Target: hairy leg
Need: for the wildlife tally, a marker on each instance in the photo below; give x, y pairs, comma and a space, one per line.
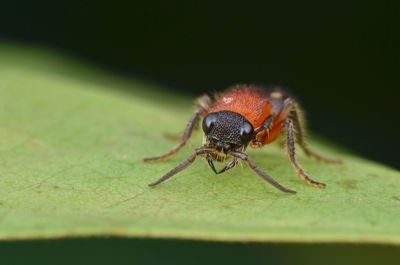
261, 174
185, 164
202, 104
291, 150
264, 129
298, 123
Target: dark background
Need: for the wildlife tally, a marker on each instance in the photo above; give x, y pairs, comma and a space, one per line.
340, 59
115, 251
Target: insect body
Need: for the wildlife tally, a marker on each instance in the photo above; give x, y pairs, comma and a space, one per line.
242, 116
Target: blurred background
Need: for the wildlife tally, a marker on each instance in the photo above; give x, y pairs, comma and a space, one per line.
178, 252
340, 59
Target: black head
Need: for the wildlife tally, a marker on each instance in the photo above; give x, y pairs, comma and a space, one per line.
227, 130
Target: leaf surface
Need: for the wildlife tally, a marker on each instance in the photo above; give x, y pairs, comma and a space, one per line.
72, 140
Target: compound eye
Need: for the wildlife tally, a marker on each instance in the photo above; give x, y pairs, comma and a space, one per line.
208, 122
246, 132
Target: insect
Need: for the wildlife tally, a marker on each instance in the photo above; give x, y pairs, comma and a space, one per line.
244, 115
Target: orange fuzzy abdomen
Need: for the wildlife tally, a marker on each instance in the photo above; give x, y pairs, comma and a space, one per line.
250, 103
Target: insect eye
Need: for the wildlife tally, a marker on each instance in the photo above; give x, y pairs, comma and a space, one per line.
246, 132
209, 122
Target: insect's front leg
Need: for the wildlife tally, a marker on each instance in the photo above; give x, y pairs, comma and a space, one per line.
260, 173
185, 164
203, 104
264, 130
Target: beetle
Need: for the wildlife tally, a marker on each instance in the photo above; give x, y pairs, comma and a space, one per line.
242, 116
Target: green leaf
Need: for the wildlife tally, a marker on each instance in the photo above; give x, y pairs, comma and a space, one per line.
72, 140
